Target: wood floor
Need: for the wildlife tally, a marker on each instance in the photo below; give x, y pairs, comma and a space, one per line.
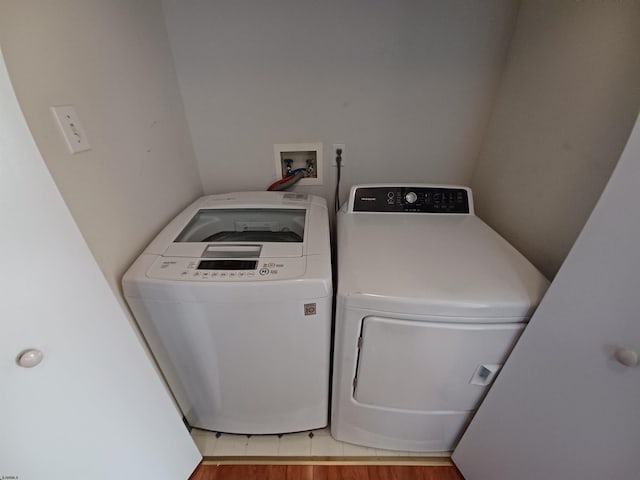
325, 472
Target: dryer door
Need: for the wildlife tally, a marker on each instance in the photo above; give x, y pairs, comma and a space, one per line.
429, 366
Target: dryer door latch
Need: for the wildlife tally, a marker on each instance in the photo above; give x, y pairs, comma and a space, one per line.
485, 374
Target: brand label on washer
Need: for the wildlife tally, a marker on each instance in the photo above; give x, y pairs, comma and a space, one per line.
309, 308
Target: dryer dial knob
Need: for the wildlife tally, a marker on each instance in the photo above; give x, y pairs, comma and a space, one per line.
411, 197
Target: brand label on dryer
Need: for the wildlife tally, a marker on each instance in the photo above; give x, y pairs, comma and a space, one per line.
309, 308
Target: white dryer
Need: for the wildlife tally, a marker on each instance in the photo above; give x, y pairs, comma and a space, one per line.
430, 302
234, 297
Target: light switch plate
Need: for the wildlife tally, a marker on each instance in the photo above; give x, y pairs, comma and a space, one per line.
71, 128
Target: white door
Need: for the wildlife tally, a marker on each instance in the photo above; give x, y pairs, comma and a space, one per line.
564, 407
93, 407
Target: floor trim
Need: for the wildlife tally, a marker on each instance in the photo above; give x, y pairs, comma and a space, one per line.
281, 460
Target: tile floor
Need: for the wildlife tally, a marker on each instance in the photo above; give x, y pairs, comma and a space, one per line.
320, 444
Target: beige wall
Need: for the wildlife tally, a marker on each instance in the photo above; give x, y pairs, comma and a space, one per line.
567, 102
110, 59
407, 85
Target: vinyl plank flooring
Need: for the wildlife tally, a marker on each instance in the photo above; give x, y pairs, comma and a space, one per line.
442, 473
325, 472
399, 472
253, 472
385, 472
340, 472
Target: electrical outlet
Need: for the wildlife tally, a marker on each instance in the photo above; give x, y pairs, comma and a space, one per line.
71, 128
334, 153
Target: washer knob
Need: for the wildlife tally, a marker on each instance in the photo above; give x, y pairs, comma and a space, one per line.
411, 197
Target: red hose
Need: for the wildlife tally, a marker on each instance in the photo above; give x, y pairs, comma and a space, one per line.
287, 181
278, 182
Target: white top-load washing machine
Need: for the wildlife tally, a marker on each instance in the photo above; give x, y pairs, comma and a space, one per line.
430, 302
234, 297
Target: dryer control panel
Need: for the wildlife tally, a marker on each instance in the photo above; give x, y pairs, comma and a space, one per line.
412, 199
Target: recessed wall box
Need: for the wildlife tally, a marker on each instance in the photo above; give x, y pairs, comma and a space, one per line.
293, 156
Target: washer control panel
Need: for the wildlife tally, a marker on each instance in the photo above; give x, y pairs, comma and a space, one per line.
411, 199
228, 270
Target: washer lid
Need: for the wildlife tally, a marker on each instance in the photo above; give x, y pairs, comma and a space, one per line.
245, 225
443, 265
284, 224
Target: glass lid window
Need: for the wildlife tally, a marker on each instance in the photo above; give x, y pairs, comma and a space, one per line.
245, 225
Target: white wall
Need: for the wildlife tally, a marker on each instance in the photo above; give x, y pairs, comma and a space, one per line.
567, 102
111, 59
407, 85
